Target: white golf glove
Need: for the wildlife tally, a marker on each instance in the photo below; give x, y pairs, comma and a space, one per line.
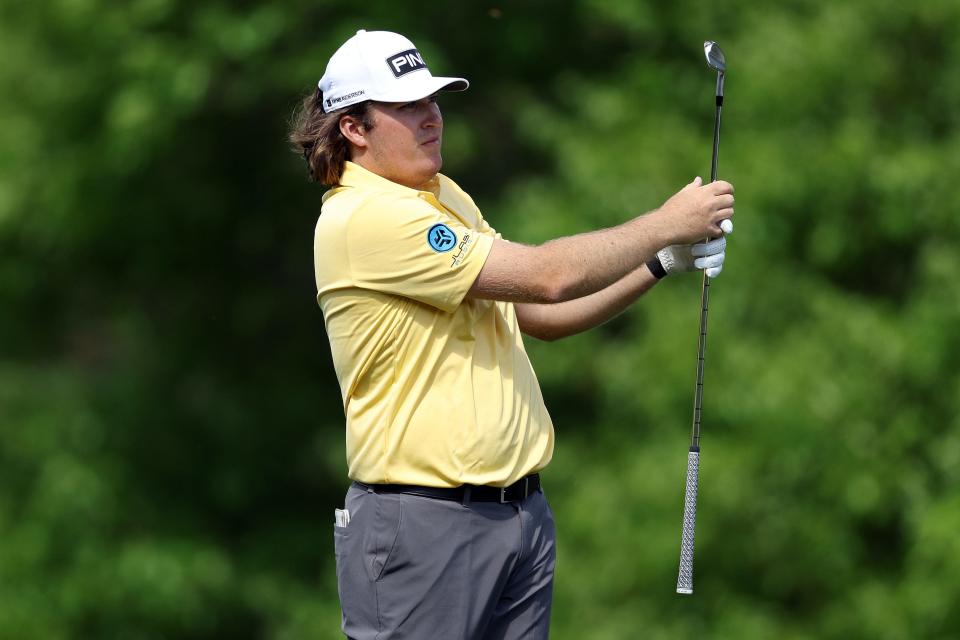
708, 256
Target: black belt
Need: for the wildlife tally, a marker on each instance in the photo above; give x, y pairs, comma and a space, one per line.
464, 493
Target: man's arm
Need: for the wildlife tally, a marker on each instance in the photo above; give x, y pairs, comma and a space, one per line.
554, 321
578, 266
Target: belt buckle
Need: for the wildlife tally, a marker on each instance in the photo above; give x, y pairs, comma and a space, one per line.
503, 495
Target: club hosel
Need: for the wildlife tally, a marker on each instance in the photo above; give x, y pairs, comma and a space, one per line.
719, 88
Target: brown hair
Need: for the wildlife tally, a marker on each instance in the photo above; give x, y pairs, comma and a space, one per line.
316, 136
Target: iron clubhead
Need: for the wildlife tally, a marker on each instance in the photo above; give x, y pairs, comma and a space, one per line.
715, 57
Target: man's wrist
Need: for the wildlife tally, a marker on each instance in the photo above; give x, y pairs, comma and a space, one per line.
658, 227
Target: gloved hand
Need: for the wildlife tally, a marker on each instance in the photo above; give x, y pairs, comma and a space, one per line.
709, 256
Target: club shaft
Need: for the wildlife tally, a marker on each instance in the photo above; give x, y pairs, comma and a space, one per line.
701, 354
704, 302
716, 140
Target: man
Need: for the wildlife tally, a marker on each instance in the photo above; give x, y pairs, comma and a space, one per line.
446, 532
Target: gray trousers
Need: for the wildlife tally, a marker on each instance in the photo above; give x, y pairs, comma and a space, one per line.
425, 569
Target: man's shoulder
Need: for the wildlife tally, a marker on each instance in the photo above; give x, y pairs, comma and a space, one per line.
347, 201
360, 210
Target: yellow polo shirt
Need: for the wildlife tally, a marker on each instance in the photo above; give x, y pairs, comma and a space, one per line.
437, 389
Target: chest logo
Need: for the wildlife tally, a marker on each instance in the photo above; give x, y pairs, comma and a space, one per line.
441, 239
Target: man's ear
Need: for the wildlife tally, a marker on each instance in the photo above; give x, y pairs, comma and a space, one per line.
353, 130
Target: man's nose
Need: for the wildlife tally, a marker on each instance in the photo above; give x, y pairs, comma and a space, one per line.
434, 118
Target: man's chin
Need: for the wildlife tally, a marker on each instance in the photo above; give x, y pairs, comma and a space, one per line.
425, 172
432, 166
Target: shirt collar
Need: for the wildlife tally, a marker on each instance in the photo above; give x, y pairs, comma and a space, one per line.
356, 176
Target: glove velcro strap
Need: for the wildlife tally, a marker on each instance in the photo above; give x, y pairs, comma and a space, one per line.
656, 267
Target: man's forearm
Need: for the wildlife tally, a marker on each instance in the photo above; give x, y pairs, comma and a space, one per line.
555, 321
590, 262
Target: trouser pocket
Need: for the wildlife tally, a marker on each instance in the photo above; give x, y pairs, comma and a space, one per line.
354, 585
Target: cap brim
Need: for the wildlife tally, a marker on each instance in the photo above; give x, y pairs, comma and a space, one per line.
453, 84
421, 89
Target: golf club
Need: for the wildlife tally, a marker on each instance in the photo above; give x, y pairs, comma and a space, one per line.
716, 60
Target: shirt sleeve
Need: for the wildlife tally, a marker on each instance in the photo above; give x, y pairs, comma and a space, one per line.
405, 246
485, 227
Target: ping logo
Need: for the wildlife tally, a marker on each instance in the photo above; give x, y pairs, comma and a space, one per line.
441, 239
405, 62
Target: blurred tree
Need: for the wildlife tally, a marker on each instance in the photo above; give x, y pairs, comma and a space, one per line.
170, 426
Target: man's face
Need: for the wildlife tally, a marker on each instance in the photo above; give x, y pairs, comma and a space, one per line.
404, 143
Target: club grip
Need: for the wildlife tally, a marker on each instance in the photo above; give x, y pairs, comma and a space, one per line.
685, 579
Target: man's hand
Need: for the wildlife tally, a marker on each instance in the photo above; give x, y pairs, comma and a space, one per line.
697, 211
708, 256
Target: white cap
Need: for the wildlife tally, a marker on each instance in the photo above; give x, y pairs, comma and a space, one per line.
382, 66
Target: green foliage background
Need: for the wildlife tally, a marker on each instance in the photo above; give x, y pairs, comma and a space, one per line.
171, 436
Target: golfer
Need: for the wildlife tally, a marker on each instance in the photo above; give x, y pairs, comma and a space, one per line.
446, 532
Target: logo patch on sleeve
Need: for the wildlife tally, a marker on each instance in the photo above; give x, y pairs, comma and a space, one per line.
440, 238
